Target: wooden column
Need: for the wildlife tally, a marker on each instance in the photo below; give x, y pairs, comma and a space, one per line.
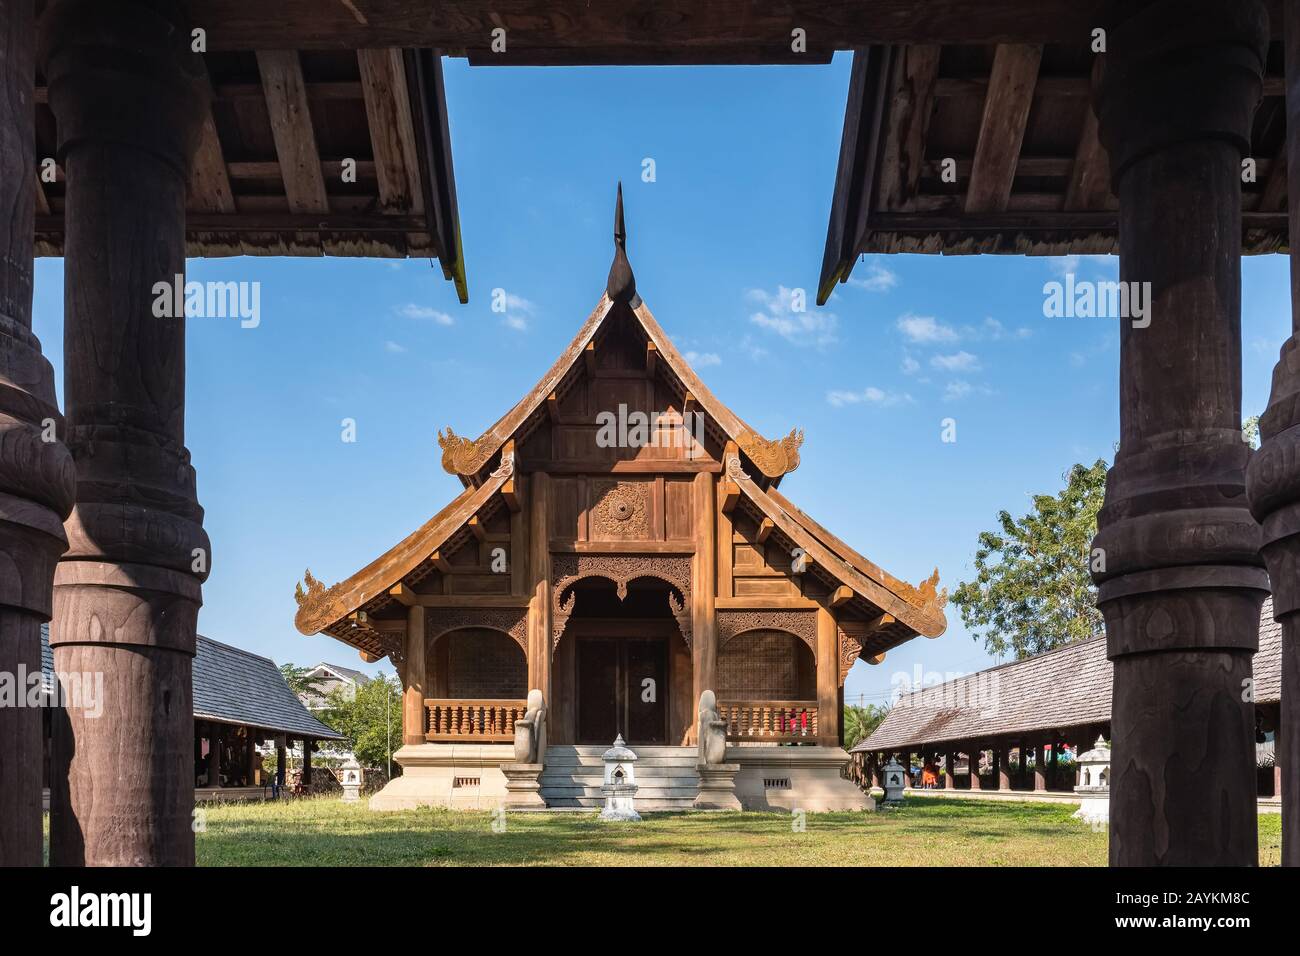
214, 755
828, 679
1183, 581
279, 761
36, 473
306, 762
974, 757
1002, 766
1273, 481
127, 93
1040, 769
250, 754
539, 604
1020, 750
704, 626
949, 761
413, 693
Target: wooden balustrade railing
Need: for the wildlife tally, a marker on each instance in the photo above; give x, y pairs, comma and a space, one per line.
488, 721
771, 721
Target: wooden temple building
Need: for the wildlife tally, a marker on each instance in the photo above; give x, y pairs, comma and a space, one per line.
1012, 723
621, 573
214, 127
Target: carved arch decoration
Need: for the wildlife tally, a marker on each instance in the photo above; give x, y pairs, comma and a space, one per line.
568, 569
802, 624
508, 620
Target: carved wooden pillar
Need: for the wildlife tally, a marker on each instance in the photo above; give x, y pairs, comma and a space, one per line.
704, 621
36, 473
1183, 580
828, 679
127, 95
1273, 483
540, 640
413, 693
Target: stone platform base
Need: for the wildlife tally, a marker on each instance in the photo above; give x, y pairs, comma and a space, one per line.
795, 778
459, 776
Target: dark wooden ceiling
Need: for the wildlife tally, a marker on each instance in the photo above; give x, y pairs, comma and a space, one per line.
1016, 120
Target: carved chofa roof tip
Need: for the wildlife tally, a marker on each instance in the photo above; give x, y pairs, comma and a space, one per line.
460, 456
312, 603
776, 457
621, 285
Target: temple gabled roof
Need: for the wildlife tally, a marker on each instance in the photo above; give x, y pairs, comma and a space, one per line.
893, 610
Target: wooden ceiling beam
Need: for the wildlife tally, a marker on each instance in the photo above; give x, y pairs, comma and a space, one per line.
1090, 176
270, 169
912, 101
403, 594
578, 31
392, 130
1002, 127
841, 596
291, 126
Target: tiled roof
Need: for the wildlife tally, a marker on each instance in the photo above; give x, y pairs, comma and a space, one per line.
1067, 687
357, 677
237, 687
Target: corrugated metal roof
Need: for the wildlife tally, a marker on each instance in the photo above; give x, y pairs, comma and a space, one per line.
238, 687
1067, 687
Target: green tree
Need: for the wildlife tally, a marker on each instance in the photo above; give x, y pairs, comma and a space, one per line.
1032, 590
371, 722
859, 722
1250, 431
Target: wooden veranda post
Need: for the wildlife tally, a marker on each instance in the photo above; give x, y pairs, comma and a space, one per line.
1273, 480
36, 473
129, 99
539, 568
413, 693
1183, 581
704, 629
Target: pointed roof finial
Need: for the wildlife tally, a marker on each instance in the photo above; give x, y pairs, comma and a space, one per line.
621, 286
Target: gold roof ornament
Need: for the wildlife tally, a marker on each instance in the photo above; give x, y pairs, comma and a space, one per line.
776, 457
926, 595
313, 601
460, 456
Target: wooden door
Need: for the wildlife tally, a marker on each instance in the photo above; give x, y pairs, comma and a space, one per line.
622, 689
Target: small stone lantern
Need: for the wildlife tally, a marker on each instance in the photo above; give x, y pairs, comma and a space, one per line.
893, 781
620, 783
352, 777
1094, 784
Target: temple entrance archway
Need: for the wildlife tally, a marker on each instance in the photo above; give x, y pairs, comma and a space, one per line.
621, 666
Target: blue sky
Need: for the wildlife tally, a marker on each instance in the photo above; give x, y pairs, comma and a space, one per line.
745, 162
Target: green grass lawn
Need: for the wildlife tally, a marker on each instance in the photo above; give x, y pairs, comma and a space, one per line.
923, 832
326, 832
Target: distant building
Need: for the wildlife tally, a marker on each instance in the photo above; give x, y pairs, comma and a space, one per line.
329, 678
241, 702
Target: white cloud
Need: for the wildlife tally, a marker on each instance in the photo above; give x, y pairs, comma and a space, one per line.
957, 390
956, 362
868, 396
703, 359
391, 346
878, 279
787, 313
413, 311
516, 322
910, 365
995, 330
925, 329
